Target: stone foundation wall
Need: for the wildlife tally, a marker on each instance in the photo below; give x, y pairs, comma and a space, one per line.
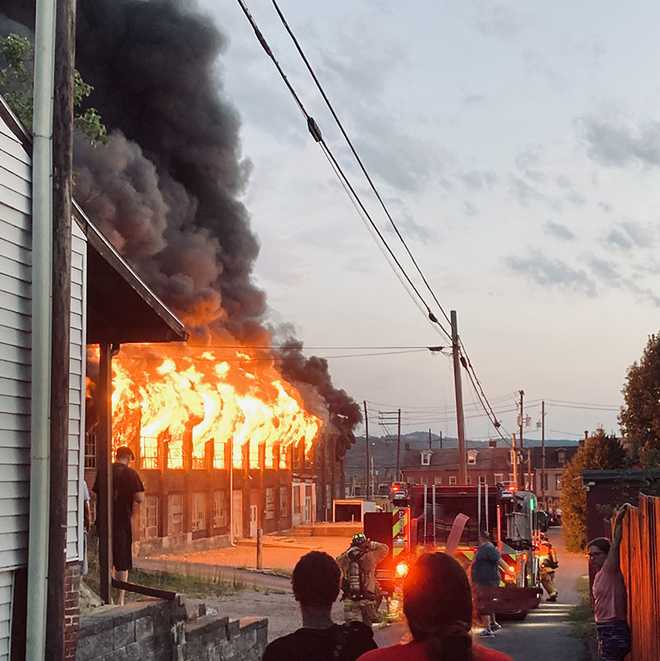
184, 542
175, 630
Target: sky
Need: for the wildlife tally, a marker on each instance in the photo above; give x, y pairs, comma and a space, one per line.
517, 146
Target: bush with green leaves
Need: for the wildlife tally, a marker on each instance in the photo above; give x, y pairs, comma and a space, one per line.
16, 66
599, 451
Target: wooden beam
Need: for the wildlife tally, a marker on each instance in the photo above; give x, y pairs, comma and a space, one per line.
61, 321
104, 473
143, 589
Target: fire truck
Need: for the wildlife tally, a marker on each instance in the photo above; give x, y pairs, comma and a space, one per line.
440, 518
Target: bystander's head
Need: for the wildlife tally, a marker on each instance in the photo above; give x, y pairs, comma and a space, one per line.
598, 550
124, 455
316, 580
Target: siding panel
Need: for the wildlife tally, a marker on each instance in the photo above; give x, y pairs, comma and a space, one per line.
15, 358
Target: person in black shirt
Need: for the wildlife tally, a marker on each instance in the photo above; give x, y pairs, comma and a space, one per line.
316, 587
127, 490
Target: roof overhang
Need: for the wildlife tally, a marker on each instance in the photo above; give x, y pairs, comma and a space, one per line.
639, 476
121, 308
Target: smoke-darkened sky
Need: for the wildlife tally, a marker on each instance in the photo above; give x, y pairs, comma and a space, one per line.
519, 147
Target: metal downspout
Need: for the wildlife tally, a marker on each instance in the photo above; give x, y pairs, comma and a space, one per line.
42, 216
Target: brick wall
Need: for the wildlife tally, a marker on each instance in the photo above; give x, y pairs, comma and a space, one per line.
184, 630
71, 609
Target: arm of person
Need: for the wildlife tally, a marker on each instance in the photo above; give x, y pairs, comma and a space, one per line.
379, 550
138, 489
613, 557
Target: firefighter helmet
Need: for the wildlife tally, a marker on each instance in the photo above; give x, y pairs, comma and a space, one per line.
359, 539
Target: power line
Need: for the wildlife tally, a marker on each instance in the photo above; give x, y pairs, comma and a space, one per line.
315, 132
266, 347
476, 384
357, 156
274, 358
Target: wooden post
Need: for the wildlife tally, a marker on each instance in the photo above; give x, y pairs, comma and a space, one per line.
260, 550
458, 390
104, 473
322, 449
61, 322
543, 478
398, 446
261, 514
367, 468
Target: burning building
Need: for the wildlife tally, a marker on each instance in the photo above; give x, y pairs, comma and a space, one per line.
223, 442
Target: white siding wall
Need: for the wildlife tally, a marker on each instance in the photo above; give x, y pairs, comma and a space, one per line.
15, 248
15, 329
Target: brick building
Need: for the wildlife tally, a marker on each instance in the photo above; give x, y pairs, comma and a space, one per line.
556, 460
485, 465
194, 505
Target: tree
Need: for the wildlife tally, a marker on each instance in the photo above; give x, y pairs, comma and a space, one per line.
599, 451
640, 415
16, 60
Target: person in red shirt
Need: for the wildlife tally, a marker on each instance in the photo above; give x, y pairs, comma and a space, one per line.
437, 602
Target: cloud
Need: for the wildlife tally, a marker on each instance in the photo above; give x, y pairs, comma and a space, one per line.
404, 161
527, 195
548, 272
615, 144
628, 235
604, 206
605, 271
609, 275
470, 209
527, 162
497, 20
558, 231
478, 179
408, 226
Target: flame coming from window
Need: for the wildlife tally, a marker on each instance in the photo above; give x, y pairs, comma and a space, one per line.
167, 395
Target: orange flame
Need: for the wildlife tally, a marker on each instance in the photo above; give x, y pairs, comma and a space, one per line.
218, 395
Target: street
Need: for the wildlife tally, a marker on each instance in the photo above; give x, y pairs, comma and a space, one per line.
545, 634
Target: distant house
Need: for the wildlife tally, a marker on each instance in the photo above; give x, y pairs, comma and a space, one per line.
109, 303
556, 460
485, 465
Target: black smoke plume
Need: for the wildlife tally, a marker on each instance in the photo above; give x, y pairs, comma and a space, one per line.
166, 187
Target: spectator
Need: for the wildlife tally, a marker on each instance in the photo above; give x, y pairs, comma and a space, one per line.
127, 490
316, 587
437, 603
485, 578
609, 593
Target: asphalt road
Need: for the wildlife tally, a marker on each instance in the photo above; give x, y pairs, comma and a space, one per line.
545, 635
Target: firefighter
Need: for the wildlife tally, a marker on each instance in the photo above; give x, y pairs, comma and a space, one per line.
360, 592
549, 566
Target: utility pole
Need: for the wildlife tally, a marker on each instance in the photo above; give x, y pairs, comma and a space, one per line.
543, 452
430, 440
367, 467
398, 446
514, 460
441, 439
460, 420
521, 425
65, 26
